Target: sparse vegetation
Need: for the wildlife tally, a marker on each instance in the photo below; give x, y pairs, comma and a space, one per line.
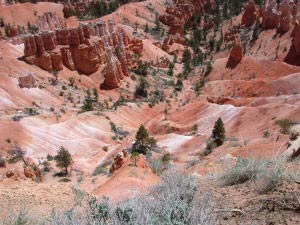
63, 159
173, 201
141, 89
218, 133
143, 142
285, 125
267, 174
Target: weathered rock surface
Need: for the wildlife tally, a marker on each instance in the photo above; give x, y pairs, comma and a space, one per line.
84, 49
177, 16
250, 15
27, 81
50, 21
293, 56
9, 174
118, 161
270, 17
236, 54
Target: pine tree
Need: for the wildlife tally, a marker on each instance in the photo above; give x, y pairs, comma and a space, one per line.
134, 157
218, 133
95, 93
186, 58
146, 28
256, 32
171, 69
143, 142
63, 158
157, 23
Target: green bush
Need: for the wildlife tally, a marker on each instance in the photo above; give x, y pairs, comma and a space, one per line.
285, 125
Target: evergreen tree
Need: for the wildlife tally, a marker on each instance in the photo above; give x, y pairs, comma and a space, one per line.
141, 89
95, 93
218, 133
143, 142
146, 28
186, 58
88, 102
256, 32
157, 23
134, 157
63, 158
171, 69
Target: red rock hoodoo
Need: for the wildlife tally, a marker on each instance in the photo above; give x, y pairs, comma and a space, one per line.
177, 16
84, 49
118, 161
293, 57
250, 15
236, 54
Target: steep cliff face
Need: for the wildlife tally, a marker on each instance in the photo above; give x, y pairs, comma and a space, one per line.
84, 49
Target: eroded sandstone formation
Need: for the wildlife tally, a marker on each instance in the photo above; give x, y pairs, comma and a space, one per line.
177, 16
273, 15
293, 56
50, 21
236, 54
250, 14
84, 49
27, 81
119, 160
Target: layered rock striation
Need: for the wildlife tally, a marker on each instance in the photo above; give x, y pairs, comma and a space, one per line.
84, 49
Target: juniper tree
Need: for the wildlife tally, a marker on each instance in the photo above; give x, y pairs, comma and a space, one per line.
218, 133
63, 158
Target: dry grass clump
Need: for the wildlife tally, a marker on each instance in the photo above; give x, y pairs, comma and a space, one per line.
266, 174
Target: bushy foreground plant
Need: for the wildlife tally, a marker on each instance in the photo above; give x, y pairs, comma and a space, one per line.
267, 174
175, 200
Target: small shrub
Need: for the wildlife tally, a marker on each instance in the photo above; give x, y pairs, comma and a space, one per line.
294, 135
2, 162
64, 180
267, 174
105, 148
244, 170
46, 166
101, 169
16, 154
166, 158
266, 134
285, 125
